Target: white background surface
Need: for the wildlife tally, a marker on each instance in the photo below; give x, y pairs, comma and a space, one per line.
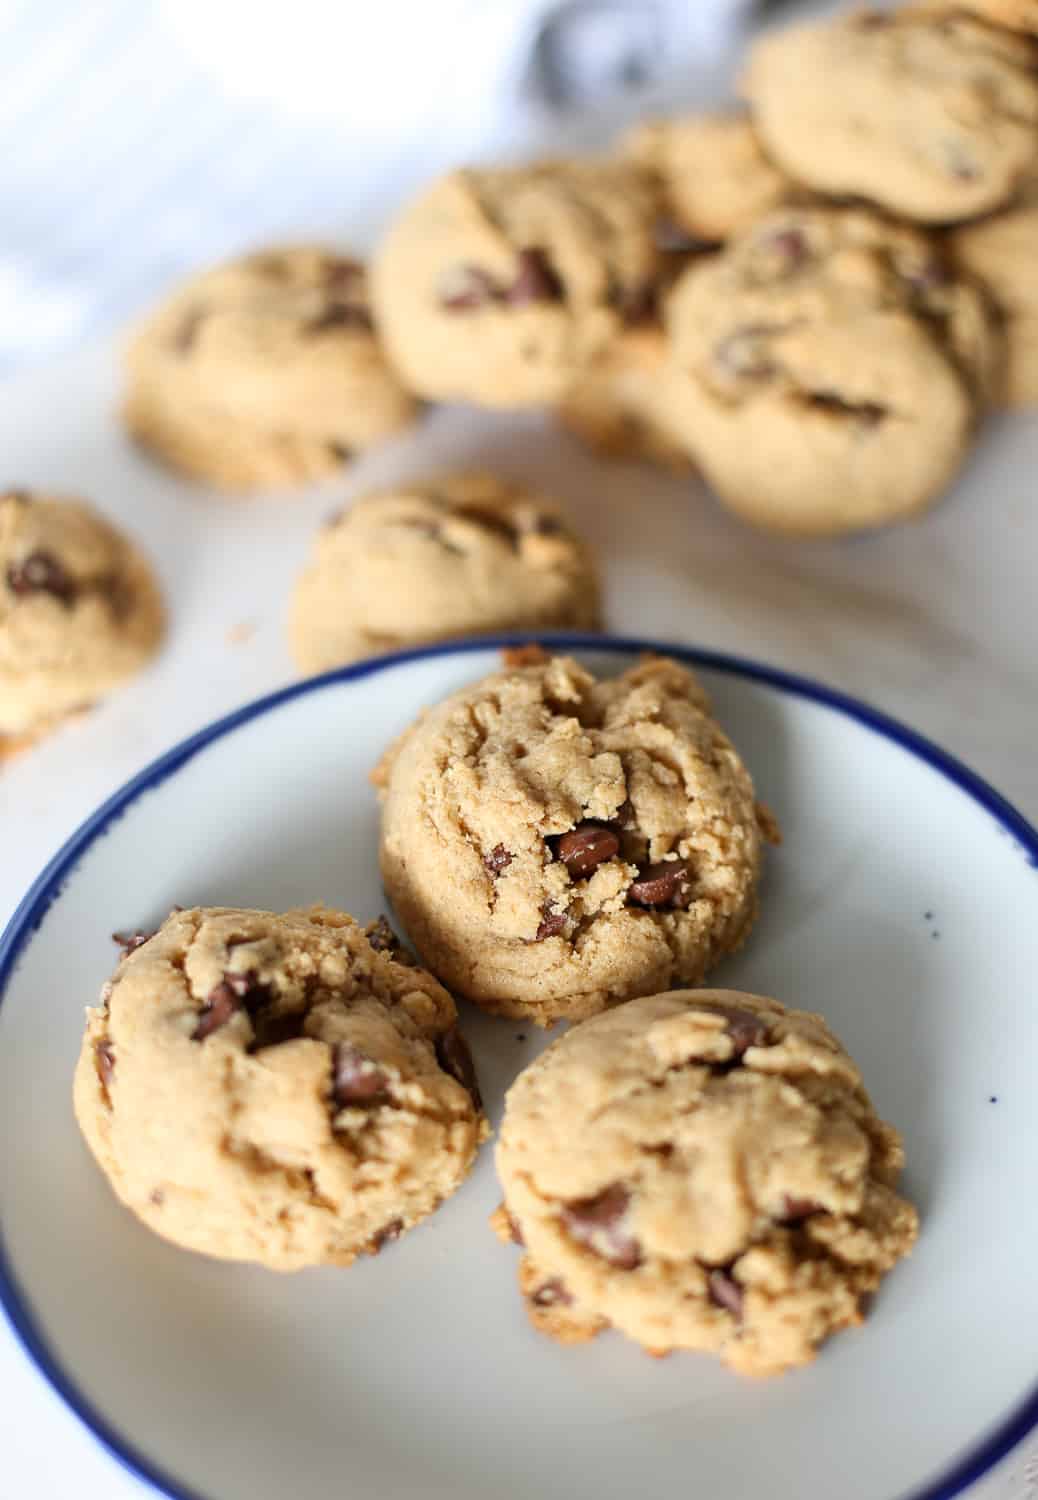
934, 623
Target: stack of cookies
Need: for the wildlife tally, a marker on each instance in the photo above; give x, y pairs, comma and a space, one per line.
699, 1169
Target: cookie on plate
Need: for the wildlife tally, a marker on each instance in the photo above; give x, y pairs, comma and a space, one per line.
554, 843
1002, 252
80, 611
616, 406
932, 116
498, 286
463, 554
279, 1089
713, 175
828, 369
701, 1170
263, 372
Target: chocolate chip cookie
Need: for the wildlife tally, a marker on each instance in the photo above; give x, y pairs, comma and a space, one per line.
933, 116
1002, 252
278, 1089
827, 370
555, 843
80, 610
714, 178
498, 286
465, 554
616, 406
263, 372
701, 1170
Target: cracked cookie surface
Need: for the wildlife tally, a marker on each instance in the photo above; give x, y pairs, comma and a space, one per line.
931, 116
701, 1170
827, 369
264, 371
80, 610
554, 844
285, 1089
498, 286
463, 554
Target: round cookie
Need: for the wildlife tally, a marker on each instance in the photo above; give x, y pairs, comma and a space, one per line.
554, 844
80, 611
1002, 252
934, 117
465, 554
265, 371
616, 406
714, 177
827, 370
498, 286
701, 1170
279, 1089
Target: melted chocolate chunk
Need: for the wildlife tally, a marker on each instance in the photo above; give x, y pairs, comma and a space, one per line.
725, 1292
466, 287
586, 847
104, 1056
41, 573
536, 280
744, 1027
868, 413
551, 1293
340, 315
454, 1057
599, 1223
389, 1232
234, 992
666, 883
356, 1079
129, 942
552, 923
497, 860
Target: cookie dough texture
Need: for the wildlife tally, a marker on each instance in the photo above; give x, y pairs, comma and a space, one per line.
1002, 252
617, 406
553, 843
713, 175
934, 117
465, 554
264, 372
499, 286
80, 610
276, 1089
828, 370
701, 1170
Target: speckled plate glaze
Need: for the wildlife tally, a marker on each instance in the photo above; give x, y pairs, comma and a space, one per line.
902, 905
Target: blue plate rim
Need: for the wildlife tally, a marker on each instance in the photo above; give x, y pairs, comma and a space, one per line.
47, 887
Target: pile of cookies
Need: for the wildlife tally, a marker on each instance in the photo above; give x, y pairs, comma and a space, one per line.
700, 1169
815, 304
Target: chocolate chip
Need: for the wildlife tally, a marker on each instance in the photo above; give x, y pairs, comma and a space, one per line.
552, 923
586, 847
340, 315
129, 942
234, 992
725, 1292
384, 940
868, 413
271, 1031
105, 1059
340, 451
497, 860
672, 239
466, 287
41, 573
186, 335
454, 1057
536, 280
157, 1196
389, 1232
514, 1229
636, 304
795, 1210
744, 1028
551, 1293
598, 1223
666, 883
356, 1079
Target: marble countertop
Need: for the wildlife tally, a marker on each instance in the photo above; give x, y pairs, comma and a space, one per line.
934, 623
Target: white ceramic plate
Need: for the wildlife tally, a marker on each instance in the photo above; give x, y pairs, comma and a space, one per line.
902, 906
